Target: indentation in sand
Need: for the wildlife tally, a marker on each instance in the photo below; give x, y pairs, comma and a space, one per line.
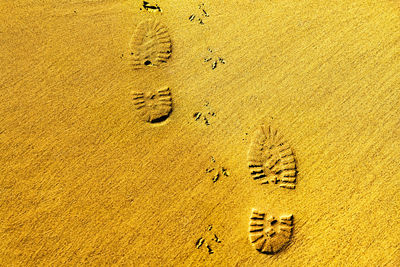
150, 44
209, 240
269, 234
153, 106
271, 159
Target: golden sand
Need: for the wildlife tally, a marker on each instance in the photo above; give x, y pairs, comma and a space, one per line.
123, 150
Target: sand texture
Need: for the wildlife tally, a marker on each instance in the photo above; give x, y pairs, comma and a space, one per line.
200, 133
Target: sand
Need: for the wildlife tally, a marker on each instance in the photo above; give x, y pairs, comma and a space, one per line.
86, 178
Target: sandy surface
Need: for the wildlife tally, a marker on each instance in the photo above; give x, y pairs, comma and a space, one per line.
85, 178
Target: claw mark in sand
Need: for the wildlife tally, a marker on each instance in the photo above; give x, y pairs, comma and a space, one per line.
199, 242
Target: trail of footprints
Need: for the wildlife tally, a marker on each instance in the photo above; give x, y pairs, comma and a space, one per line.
151, 46
270, 158
271, 161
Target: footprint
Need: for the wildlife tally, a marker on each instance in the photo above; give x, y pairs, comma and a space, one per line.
150, 45
154, 106
199, 15
269, 234
217, 171
271, 159
214, 59
209, 241
206, 115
